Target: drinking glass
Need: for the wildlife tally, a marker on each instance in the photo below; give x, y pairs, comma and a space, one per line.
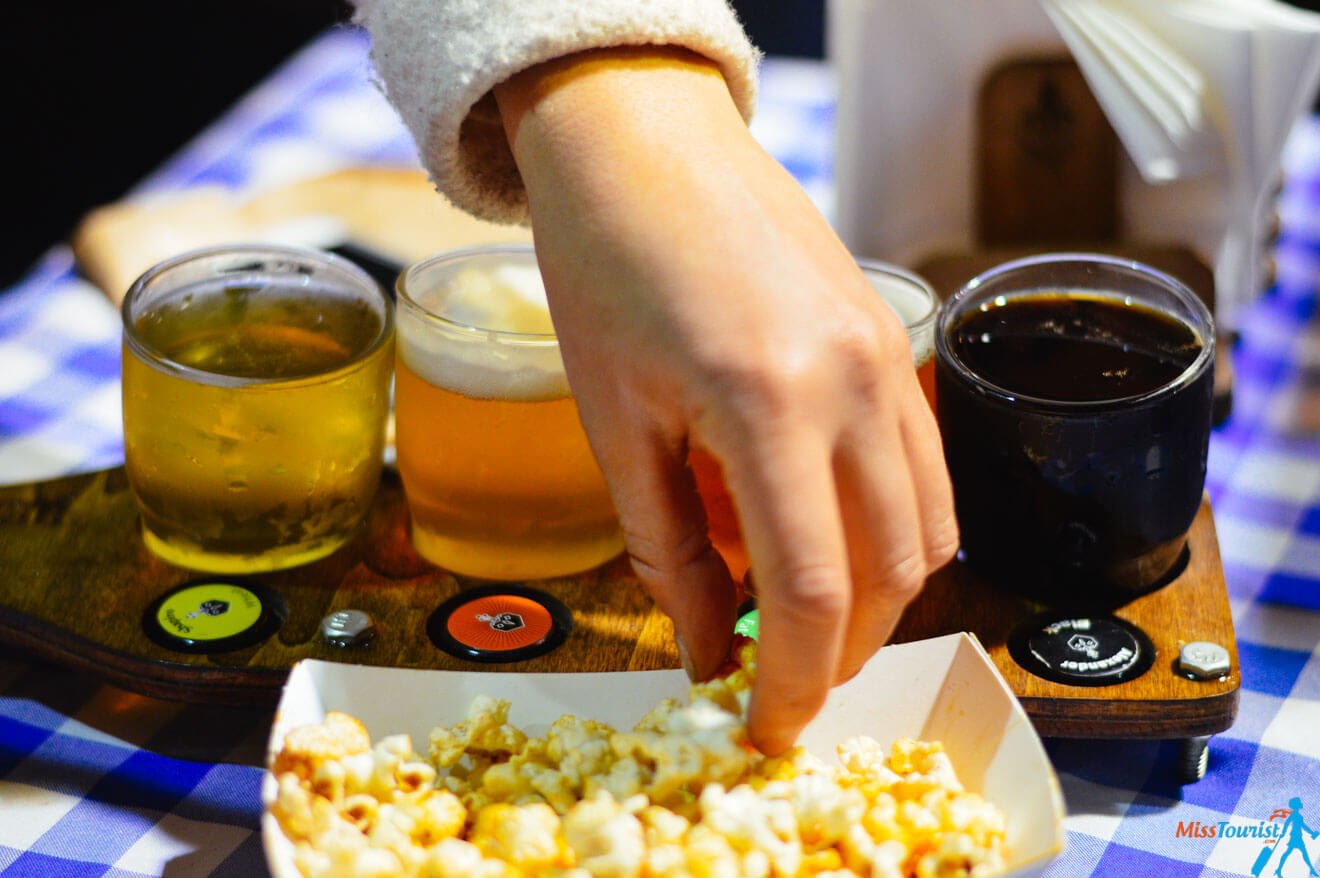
1074, 396
256, 386
499, 478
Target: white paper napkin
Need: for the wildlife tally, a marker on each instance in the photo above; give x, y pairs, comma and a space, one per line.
1202, 88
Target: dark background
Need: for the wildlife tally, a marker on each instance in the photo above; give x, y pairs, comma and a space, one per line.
101, 93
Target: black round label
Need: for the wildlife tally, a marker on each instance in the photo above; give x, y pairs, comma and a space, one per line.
213, 615
1082, 650
499, 623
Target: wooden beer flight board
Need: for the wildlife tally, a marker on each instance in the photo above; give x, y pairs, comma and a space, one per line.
76, 581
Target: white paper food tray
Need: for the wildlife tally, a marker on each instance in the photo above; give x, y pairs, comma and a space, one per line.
943, 689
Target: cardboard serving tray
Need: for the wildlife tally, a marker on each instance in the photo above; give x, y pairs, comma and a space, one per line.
942, 689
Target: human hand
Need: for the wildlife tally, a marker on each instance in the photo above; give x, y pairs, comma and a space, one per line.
700, 298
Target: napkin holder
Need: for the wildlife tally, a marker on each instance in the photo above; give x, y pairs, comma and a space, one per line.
996, 147
915, 116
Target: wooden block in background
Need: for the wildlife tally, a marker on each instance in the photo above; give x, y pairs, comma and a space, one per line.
1046, 157
395, 212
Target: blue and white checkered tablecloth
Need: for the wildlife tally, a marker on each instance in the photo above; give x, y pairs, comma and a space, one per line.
95, 781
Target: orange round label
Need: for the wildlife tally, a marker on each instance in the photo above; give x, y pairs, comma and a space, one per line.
499, 622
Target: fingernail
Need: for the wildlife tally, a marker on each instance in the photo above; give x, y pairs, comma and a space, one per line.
686, 658
769, 745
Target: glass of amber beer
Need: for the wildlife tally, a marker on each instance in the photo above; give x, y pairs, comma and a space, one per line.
916, 305
499, 478
256, 386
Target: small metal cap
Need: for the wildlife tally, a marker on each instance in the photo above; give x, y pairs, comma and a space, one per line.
1203, 660
347, 628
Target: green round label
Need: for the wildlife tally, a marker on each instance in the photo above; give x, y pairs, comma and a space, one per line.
209, 611
749, 625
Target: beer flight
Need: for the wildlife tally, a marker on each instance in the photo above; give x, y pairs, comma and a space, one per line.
1073, 393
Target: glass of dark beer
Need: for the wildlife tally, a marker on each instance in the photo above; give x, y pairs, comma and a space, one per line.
1073, 393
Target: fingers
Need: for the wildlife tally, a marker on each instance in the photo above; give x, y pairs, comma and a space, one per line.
930, 475
664, 527
790, 518
879, 507
897, 510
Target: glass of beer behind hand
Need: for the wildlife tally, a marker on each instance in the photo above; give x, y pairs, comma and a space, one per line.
255, 392
497, 472
916, 305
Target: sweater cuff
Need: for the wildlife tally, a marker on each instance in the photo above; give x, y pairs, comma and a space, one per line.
439, 59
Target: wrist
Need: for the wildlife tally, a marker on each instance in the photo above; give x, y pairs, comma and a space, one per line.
601, 125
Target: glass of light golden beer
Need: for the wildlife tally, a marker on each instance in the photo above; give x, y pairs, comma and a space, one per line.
256, 386
915, 303
499, 478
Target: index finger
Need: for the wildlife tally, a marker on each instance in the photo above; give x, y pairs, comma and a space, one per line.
783, 487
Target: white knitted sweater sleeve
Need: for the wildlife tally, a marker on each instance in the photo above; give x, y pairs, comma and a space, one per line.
438, 60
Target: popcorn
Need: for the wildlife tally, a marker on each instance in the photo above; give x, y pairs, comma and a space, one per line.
527, 836
308, 746
485, 733
681, 794
606, 838
754, 823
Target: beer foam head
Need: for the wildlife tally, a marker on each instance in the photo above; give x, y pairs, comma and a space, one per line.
486, 333
508, 297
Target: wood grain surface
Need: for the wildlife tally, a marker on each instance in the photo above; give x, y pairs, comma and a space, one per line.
1047, 158
1162, 703
76, 580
